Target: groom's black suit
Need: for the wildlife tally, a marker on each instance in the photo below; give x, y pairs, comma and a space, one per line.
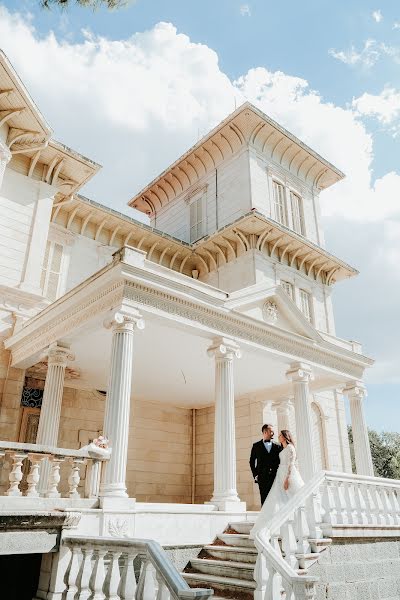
264, 466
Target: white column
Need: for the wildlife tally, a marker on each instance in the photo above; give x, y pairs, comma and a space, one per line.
300, 374
282, 408
225, 495
49, 421
5, 156
356, 392
118, 402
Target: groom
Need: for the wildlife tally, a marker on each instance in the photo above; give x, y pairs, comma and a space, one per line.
264, 461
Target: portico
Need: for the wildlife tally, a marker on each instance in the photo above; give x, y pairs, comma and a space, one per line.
140, 334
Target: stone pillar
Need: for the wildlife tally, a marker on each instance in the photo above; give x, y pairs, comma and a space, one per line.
118, 403
225, 495
58, 357
49, 420
356, 392
5, 156
300, 374
282, 409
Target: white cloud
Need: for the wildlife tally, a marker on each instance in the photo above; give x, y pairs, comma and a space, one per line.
396, 25
367, 57
136, 104
245, 10
377, 16
385, 107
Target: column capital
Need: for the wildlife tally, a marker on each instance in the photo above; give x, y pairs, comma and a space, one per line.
123, 321
355, 389
5, 154
59, 355
300, 372
224, 348
282, 405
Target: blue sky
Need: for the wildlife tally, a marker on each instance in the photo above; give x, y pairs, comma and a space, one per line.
329, 71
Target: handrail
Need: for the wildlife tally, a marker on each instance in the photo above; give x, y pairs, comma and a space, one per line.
89, 451
171, 577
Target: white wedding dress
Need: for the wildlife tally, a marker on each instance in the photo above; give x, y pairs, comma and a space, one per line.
278, 496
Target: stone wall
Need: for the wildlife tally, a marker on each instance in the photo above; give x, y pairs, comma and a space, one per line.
359, 568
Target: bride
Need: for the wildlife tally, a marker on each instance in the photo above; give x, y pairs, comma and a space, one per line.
287, 482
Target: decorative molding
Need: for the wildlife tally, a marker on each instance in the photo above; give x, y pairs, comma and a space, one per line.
72, 520
198, 189
31, 398
118, 528
270, 312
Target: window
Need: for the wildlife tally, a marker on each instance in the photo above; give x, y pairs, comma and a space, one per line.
288, 287
279, 203
197, 218
51, 270
297, 213
305, 304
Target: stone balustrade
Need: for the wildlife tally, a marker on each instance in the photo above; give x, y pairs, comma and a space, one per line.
15, 454
124, 569
338, 503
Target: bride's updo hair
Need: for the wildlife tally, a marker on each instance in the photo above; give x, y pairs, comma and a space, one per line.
288, 436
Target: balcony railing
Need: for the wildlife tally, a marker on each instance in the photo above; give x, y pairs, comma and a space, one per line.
36, 471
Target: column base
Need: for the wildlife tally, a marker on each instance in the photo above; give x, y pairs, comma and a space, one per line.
228, 505
116, 503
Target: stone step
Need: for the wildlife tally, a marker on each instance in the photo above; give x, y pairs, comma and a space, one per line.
223, 568
241, 526
234, 553
236, 539
227, 587
319, 544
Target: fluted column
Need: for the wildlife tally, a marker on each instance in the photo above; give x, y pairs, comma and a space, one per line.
356, 393
300, 374
225, 495
49, 420
117, 410
282, 408
5, 156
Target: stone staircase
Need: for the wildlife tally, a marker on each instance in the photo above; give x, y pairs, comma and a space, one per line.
227, 565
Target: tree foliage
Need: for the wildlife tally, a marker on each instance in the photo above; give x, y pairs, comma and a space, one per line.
85, 3
385, 450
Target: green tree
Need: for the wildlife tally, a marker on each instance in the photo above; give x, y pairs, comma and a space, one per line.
385, 450
86, 3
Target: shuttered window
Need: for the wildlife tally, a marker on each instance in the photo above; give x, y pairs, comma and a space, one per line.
51, 270
297, 213
279, 203
305, 304
288, 287
197, 218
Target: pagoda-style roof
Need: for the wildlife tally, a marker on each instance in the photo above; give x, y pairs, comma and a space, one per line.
253, 231
246, 126
28, 138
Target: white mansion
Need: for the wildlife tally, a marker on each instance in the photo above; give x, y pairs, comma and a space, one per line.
177, 340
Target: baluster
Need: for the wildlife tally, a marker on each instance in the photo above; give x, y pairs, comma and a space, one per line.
387, 506
99, 575
360, 503
33, 476
304, 590
15, 475
341, 506
329, 503
150, 583
73, 573
75, 477
287, 590
350, 501
54, 477
85, 573
273, 590
395, 506
302, 531
372, 515
314, 519
163, 591
289, 543
92, 481
127, 589
113, 577
260, 577
380, 517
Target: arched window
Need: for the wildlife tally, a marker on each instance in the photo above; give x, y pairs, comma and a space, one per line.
318, 437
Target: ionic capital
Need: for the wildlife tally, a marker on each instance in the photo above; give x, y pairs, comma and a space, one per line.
224, 348
121, 321
59, 355
300, 372
282, 406
355, 389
